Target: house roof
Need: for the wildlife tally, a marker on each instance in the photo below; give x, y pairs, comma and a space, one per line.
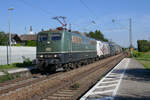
26, 37
15, 37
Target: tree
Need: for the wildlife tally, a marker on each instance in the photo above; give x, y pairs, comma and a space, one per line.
97, 35
143, 45
31, 43
3, 38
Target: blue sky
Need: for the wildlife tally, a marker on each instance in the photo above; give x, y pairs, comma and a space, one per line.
38, 14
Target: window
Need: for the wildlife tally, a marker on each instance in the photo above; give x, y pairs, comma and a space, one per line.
43, 37
76, 39
93, 42
55, 37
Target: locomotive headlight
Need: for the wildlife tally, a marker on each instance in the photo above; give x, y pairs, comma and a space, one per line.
41, 56
48, 42
55, 55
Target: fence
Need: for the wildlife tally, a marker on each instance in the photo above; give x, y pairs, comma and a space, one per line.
17, 54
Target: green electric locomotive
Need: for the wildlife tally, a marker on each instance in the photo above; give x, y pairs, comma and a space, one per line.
63, 49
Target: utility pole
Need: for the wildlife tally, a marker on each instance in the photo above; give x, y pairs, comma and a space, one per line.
130, 32
130, 36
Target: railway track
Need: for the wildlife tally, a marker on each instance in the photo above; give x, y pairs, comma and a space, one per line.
50, 87
85, 80
22, 82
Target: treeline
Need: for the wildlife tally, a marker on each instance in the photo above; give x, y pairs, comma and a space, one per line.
143, 45
97, 35
3, 38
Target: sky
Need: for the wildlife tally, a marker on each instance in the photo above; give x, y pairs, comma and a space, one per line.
80, 13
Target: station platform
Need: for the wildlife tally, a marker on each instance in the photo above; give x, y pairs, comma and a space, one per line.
17, 70
128, 80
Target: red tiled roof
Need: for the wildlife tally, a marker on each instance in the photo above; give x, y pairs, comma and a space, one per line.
28, 37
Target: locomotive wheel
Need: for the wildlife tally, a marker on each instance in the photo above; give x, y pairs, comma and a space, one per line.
66, 67
89, 61
75, 65
72, 65
78, 64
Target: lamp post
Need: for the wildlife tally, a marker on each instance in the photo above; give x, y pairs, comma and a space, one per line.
9, 9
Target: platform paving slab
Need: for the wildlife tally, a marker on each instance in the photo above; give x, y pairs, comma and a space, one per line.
135, 84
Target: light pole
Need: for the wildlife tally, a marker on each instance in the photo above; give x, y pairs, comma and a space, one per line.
9, 9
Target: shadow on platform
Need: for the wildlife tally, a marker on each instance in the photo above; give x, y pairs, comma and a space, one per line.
131, 98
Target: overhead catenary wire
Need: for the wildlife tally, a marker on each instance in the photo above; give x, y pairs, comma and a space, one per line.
47, 12
87, 7
51, 14
93, 15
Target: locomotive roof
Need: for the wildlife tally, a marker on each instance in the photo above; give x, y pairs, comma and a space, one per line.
74, 32
51, 31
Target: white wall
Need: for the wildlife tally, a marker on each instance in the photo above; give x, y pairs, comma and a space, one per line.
17, 53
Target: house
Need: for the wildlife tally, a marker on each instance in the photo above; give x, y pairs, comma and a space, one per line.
28, 37
15, 39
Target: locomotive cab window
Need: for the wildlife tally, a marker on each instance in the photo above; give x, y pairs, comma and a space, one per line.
43, 37
55, 37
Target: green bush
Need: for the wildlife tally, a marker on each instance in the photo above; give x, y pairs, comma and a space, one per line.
31, 43
6, 77
18, 44
27, 62
137, 54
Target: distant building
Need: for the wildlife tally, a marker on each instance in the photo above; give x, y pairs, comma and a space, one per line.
15, 39
32, 37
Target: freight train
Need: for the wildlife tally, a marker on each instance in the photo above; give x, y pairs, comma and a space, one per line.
61, 48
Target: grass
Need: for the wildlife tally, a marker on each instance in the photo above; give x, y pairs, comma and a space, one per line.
26, 63
145, 63
75, 86
14, 65
8, 77
143, 58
